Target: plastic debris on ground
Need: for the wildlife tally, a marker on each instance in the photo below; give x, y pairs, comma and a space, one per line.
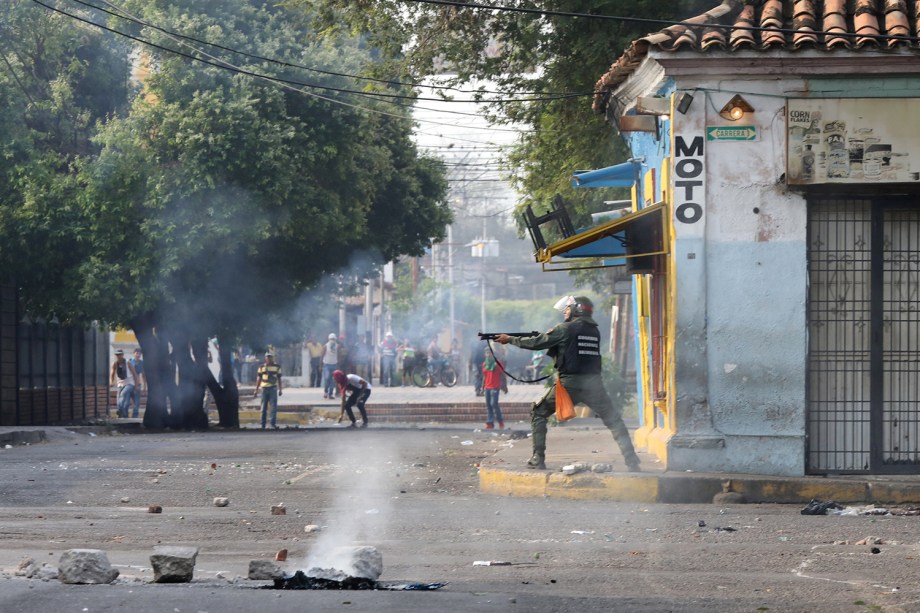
820, 507
490, 563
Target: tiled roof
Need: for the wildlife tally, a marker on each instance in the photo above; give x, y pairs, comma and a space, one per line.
763, 25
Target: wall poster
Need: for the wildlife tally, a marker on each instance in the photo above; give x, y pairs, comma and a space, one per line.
853, 140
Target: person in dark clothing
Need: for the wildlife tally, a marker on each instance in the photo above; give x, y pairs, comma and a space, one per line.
477, 357
574, 344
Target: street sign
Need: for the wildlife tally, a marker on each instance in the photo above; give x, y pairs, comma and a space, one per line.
731, 133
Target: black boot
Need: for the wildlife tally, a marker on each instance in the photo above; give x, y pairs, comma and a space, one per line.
536, 461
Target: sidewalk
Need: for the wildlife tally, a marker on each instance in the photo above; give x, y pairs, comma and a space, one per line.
440, 395
583, 440
586, 441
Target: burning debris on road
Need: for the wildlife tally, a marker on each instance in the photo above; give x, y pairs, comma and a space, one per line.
301, 581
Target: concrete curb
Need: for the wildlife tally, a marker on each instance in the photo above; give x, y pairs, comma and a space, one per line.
22, 437
682, 488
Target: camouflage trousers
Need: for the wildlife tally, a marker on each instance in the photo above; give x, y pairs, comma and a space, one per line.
589, 390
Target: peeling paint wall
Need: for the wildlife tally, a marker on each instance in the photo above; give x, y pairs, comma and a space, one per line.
739, 272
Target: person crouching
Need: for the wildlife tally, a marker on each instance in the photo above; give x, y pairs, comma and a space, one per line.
355, 391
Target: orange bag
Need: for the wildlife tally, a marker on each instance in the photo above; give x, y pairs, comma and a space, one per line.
565, 408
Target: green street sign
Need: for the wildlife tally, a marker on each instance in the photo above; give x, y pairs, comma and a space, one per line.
731, 133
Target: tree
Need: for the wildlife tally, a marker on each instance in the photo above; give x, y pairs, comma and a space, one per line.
217, 198
542, 69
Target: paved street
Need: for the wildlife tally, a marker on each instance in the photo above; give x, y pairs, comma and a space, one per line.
413, 493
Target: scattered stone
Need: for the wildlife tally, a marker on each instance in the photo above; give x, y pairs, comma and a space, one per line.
46, 573
571, 469
281, 556
173, 564
311, 528
362, 562
264, 570
221, 501
279, 509
870, 540
728, 496
601, 468
126, 499
25, 568
154, 508
85, 566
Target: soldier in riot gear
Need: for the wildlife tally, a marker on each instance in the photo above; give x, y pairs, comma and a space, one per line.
574, 344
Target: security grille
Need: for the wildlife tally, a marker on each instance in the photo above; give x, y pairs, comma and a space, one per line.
864, 336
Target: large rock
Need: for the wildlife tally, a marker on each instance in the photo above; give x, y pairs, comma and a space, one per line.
85, 566
365, 562
173, 564
264, 570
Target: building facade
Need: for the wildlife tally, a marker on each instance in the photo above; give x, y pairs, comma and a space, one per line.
779, 319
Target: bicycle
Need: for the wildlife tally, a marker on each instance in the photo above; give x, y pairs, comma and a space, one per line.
424, 374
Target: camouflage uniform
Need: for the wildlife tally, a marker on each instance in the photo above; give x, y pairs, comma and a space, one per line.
583, 388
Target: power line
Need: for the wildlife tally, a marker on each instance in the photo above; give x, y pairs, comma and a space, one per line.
224, 65
127, 17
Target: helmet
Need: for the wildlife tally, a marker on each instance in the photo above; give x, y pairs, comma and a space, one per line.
581, 305
332, 336
338, 376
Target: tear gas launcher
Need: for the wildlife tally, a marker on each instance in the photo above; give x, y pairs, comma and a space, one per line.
491, 336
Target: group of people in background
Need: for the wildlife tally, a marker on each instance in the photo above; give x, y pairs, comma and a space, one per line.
396, 358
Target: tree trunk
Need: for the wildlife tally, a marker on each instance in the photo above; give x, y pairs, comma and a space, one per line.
226, 392
191, 361
177, 376
157, 371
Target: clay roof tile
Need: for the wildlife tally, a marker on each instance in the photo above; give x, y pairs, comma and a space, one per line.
832, 25
741, 37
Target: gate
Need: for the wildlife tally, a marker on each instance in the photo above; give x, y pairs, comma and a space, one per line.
864, 336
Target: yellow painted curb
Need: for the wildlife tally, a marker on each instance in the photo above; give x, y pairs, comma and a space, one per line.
512, 483
613, 487
584, 486
800, 489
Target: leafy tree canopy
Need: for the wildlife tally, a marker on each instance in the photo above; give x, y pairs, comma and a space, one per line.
203, 194
189, 190
542, 67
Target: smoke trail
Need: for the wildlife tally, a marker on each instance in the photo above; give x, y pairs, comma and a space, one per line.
362, 510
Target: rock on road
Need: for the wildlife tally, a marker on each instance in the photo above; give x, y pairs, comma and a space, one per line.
413, 494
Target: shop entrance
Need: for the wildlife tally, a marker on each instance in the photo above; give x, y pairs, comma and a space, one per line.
863, 412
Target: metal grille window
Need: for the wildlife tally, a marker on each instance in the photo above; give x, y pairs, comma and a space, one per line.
863, 324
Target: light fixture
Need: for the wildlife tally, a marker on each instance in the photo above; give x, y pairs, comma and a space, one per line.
736, 108
683, 103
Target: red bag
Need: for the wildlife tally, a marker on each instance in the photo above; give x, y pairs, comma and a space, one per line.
565, 408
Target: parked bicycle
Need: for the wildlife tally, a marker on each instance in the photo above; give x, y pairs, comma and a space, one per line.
426, 374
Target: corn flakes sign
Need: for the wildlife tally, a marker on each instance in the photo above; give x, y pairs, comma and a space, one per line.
852, 140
